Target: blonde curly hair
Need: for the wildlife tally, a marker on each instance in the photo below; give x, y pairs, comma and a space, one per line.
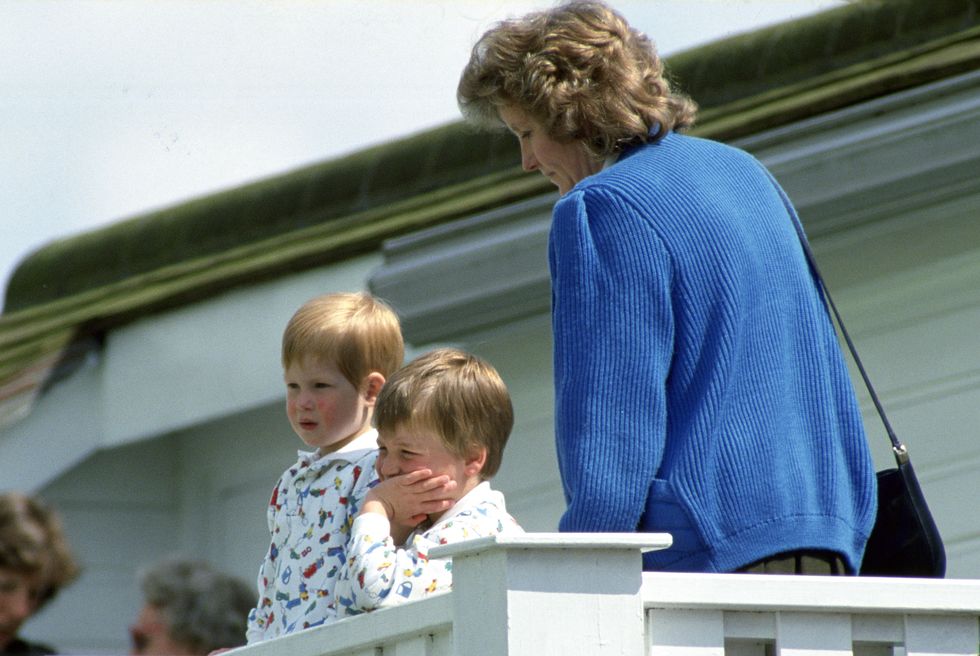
581, 71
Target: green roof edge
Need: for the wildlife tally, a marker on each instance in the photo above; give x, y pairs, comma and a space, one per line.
743, 84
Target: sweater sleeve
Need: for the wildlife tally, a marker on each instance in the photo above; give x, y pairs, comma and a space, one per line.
613, 328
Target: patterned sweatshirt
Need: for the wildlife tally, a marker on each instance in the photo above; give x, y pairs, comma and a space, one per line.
310, 515
379, 573
699, 386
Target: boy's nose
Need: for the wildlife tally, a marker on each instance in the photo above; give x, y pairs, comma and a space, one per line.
389, 468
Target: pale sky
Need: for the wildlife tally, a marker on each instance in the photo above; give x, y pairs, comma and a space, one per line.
112, 108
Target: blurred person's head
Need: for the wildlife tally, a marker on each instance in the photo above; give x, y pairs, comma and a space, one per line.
35, 561
190, 609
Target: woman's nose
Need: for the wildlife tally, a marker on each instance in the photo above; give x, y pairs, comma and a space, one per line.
528, 161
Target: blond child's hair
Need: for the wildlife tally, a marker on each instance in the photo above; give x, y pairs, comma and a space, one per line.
356, 332
455, 394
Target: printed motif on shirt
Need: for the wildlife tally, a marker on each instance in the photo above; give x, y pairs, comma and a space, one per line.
310, 515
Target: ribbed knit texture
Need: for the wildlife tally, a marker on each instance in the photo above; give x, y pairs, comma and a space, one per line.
700, 388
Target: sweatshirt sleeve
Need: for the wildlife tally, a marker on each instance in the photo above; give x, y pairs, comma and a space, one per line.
613, 328
378, 573
260, 617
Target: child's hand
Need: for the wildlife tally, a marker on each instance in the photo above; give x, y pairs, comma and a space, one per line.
408, 498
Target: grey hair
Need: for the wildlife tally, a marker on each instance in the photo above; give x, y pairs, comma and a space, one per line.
204, 609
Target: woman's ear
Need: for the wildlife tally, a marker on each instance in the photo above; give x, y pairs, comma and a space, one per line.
371, 387
475, 461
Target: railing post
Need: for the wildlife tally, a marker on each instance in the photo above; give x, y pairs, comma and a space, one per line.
549, 594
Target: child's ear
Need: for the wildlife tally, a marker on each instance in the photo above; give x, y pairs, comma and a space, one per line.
475, 461
371, 386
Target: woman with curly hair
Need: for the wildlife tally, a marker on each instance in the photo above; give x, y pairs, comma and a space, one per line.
35, 563
699, 386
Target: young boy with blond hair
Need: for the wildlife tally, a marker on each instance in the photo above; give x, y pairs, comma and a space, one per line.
442, 422
337, 351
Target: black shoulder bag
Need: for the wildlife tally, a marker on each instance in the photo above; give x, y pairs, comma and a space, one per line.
904, 540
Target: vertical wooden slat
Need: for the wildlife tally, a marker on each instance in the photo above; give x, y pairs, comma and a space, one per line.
370, 651
938, 635
442, 644
416, 646
874, 650
747, 648
813, 634
687, 632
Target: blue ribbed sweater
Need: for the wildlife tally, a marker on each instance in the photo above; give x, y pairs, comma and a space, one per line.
700, 389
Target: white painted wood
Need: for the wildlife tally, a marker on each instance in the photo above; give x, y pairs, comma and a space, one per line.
414, 646
813, 634
873, 650
63, 429
381, 631
941, 636
686, 633
747, 648
527, 595
571, 542
173, 370
750, 625
878, 628
808, 593
442, 644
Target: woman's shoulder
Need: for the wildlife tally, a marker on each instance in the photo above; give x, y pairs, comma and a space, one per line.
678, 154
650, 173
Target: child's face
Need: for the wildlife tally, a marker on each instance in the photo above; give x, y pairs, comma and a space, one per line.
408, 449
324, 408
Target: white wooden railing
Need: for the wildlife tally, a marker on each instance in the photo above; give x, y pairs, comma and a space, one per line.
545, 594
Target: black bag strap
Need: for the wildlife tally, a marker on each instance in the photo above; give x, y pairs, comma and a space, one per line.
901, 453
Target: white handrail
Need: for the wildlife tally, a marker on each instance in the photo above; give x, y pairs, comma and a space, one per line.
557, 594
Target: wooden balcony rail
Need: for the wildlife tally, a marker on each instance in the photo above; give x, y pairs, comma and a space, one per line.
545, 594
